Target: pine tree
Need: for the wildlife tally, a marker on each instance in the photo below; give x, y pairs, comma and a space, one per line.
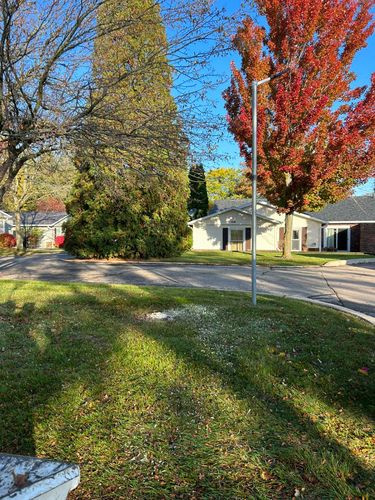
198, 201
134, 205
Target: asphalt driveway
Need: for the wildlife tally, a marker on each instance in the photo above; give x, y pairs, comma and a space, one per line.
348, 286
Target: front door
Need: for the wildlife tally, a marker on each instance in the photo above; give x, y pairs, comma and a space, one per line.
236, 240
342, 239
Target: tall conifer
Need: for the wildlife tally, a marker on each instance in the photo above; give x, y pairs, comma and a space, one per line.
198, 201
135, 204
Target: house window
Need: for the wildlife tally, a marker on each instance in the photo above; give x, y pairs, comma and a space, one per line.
296, 242
236, 240
331, 238
337, 238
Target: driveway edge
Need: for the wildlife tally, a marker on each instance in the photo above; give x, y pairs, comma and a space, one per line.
349, 262
332, 263
363, 316
267, 266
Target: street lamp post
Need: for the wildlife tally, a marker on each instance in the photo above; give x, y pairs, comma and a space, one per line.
254, 195
255, 85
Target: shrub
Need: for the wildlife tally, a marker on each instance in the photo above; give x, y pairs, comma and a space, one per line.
33, 237
59, 241
143, 217
7, 240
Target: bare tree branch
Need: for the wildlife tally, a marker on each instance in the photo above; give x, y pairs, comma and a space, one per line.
50, 97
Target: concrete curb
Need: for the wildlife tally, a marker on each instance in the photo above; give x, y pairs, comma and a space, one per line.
73, 260
349, 262
363, 316
333, 263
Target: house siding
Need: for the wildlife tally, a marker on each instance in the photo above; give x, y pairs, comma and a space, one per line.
5, 226
208, 233
355, 238
367, 238
309, 226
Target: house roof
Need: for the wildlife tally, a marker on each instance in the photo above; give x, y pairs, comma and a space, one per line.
220, 205
240, 210
243, 204
4, 214
42, 218
353, 209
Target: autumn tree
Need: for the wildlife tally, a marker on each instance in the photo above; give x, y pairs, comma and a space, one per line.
315, 128
198, 200
50, 204
223, 183
51, 97
41, 187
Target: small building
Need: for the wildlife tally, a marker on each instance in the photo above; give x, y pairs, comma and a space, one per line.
6, 222
228, 227
48, 224
348, 225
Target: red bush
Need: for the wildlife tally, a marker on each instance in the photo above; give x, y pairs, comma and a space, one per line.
59, 241
7, 240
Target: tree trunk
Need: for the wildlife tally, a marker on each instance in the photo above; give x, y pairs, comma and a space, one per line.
17, 224
8, 169
287, 247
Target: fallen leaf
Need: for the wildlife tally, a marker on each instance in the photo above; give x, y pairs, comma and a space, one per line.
265, 475
20, 480
363, 370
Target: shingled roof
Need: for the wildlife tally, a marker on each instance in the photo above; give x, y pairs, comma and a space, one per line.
353, 209
41, 218
220, 205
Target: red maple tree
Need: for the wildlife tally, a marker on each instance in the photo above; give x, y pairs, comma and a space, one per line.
50, 204
315, 130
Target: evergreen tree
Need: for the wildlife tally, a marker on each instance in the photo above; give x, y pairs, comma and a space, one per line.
125, 216
198, 201
135, 204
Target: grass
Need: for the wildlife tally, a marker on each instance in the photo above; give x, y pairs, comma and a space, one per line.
265, 258
224, 401
6, 252
238, 258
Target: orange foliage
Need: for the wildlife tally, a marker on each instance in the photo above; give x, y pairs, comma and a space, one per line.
315, 132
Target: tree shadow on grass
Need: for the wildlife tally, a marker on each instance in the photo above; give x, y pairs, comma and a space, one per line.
157, 410
46, 346
291, 443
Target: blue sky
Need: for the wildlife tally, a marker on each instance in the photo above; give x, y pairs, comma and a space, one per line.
363, 66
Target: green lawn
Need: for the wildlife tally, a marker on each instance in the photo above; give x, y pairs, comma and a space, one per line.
223, 401
6, 252
265, 258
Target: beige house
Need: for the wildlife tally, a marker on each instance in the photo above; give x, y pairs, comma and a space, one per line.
228, 227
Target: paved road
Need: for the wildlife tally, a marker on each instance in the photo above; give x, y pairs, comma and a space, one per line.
348, 286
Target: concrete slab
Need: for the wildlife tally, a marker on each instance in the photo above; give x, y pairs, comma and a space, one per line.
27, 478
